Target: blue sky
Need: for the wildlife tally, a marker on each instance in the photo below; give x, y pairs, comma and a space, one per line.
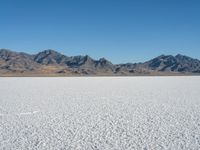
119, 30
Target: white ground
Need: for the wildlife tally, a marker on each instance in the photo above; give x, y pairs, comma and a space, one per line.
100, 113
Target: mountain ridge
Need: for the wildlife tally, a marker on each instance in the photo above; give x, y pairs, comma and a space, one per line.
50, 62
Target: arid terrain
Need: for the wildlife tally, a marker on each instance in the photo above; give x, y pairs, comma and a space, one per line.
53, 63
100, 113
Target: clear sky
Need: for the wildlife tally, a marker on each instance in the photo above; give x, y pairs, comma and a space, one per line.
119, 30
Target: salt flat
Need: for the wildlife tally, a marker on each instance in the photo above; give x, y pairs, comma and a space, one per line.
100, 113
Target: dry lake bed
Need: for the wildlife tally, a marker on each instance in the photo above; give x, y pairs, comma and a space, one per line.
102, 113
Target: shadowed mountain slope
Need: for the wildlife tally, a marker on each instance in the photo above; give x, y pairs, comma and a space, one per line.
178, 63
50, 62
12, 61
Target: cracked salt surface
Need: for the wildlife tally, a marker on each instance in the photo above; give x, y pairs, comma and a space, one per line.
100, 113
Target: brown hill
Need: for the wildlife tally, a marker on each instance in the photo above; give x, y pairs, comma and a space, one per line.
52, 63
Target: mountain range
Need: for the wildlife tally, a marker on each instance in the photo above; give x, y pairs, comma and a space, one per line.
52, 63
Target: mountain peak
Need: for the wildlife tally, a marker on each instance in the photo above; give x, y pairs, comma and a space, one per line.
50, 51
50, 60
49, 57
102, 59
6, 51
180, 56
3, 49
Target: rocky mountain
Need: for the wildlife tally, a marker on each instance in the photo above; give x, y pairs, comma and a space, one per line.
16, 62
50, 63
178, 63
50, 57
